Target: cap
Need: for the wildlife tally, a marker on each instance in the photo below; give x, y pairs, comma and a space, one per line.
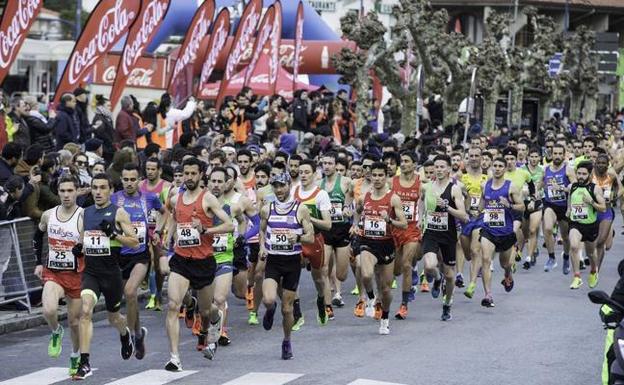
254, 148
283, 178
80, 91
93, 144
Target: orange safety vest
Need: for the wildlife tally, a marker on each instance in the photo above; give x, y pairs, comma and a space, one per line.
141, 141
161, 140
241, 131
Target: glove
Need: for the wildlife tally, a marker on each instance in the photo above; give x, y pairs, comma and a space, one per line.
77, 250
108, 228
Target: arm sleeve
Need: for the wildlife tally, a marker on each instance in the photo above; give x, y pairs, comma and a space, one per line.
254, 229
38, 244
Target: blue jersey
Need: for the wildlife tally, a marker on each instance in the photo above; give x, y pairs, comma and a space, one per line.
497, 219
553, 180
138, 207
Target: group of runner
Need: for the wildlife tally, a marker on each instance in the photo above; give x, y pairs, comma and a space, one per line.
241, 224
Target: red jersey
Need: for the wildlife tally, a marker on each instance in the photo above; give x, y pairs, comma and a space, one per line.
374, 226
189, 242
409, 198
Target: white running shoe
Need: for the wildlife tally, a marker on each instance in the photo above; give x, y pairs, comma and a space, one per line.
214, 330
370, 308
384, 327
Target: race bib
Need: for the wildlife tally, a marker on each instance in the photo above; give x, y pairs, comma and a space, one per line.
579, 212
374, 227
474, 202
409, 210
152, 217
336, 212
437, 221
140, 231
188, 236
606, 193
219, 243
494, 217
555, 194
60, 256
96, 243
279, 240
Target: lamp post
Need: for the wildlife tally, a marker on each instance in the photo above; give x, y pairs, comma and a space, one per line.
78, 19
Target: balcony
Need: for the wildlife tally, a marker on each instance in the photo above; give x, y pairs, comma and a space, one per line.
324, 6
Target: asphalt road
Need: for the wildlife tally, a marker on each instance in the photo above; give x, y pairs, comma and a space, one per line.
540, 333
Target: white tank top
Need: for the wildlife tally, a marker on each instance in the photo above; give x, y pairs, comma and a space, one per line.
62, 236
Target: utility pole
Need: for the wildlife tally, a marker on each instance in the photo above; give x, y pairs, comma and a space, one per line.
513, 44
566, 16
78, 19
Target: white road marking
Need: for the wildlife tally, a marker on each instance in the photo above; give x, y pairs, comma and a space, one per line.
360, 381
257, 378
153, 377
42, 377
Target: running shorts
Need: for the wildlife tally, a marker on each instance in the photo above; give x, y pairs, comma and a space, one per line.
284, 269
383, 250
447, 248
199, 272
338, 236
224, 268
314, 252
68, 280
404, 236
254, 250
501, 243
589, 232
110, 285
608, 215
128, 261
560, 211
473, 224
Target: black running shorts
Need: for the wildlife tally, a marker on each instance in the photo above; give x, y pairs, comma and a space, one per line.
383, 250
501, 243
446, 247
588, 232
110, 285
284, 269
128, 261
199, 272
338, 236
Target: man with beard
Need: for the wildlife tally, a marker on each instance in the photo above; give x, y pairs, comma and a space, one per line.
584, 202
293, 169
557, 180
247, 178
533, 214
194, 212
456, 166
605, 178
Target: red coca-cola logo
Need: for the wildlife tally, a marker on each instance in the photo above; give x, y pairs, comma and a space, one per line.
152, 17
298, 40
199, 31
220, 39
113, 25
10, 39
139, 77
248, 28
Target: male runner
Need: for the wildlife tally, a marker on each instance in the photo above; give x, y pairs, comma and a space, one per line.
106, 229
193, 264
62, 271
443, 204
284, 225
533, 206
605, 178
379, 209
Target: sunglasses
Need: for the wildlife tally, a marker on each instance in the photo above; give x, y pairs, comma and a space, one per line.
366, 166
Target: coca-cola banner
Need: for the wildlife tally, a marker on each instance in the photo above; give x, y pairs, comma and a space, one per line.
148, 72
265, 32
244, 33
109, 22
298, 41
17, 19
141, 33
276, 38
181, 83
216, 43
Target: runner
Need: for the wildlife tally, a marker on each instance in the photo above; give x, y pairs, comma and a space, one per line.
605, 178
134, 262
379, 209
407, 242
557, 179
106, 229
284, 225
193, 263
533, 207
62, 271
584, 202
500, 199
441, 198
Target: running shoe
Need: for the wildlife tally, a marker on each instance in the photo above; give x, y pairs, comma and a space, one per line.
459, 280
435, 291
151, 302
577, 282
592, 280
127, 347
587, 261
581, 265
394, 283
214, 329
355, 291
359, 308
182, 313
224, 339
267, 320
370, 308
189, 319
518, 256
330, 312
74, 364
527, 263
210, 351
298, 323
415, 277
84, 371
470, 290
287, 353
157, 305
249, 298
202, 341
508, 283
55, 347
139, 352
337, 300
174, 365
253, 318
487, 301
566, 266
424, 286
384, 327
197, 324
550, 264
378, 311
446, 313
402, 313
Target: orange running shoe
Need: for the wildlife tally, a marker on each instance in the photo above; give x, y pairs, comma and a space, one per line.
378, 311
424, 287
249, 297
182, 312
359, 309
197, 324
402, 313
330, 312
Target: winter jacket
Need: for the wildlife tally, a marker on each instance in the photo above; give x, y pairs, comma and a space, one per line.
66, 127
41, 132
22, 133
105, 132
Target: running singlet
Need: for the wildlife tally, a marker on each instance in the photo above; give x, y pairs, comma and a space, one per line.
62, 237
337, 199
409, 199
189, 242
250, 188
497, 219
316, 201
101, 252
581, 212
606, 183
374, 226
162, 193
519, 179
223, 244
536, 175
281, 224
473, 188
138, 207
553, 182
438, 221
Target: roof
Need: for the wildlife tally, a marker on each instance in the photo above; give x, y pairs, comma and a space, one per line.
549, 3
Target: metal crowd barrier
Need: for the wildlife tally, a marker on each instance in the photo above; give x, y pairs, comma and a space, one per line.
17, 262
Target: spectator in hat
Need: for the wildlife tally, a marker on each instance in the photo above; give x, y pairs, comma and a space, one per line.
67, 125
94, 150
40, 126
104, 129
82, 100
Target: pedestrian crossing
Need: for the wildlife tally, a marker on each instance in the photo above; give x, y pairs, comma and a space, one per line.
54, 375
